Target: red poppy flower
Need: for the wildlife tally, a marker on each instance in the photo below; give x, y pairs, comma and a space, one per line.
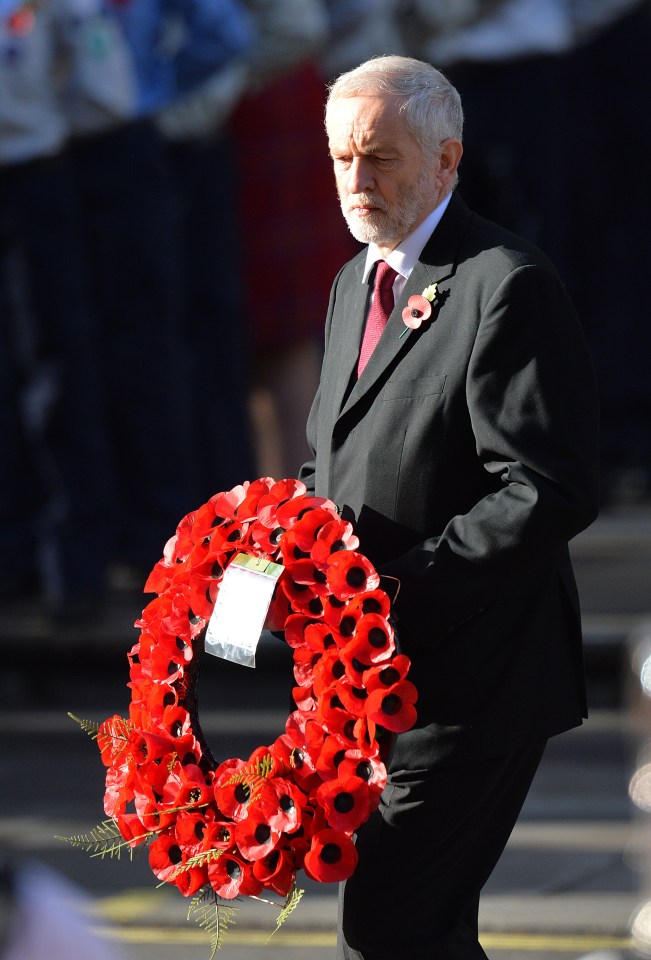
165, 856
292, 511
298, 761
346, 802
372, 643
332, 857
350, 573
114, 739
301, 596
333, 536
131, 828
186, 787
285, 814
351, 696
393, 707
304, 664
167, 861
191, 831
230, 876
368, 768
309, 527
333, 713
386, 674
295, 626
306, 572
328, 671
249, 507
255, 838
219, 835
321, 638
303, 697
119, 789
276, 871
332, 754
334, 610
418, 310
232, 789
374, 601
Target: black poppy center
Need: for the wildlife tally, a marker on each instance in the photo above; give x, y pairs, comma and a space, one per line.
347, 626
262, 833
242, 793
391, 704
337, 546
364, 770
233, 869
175, 854
177, 729
275, 535
415, 313
344, 802
371, 605
389, 676
338, 670
355, 577
377, 637
199, 829
331, 853
287, 805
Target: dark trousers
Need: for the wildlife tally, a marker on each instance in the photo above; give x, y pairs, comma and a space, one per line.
425, 855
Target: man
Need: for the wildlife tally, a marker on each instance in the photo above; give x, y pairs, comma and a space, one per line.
465, 451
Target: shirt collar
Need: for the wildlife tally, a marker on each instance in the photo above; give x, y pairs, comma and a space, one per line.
405, 256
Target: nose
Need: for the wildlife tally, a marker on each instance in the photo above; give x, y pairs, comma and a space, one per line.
360, 176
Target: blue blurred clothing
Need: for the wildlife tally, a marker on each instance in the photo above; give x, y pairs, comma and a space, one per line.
178, 44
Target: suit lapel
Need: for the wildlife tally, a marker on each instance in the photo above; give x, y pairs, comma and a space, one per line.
436, 264
356, 301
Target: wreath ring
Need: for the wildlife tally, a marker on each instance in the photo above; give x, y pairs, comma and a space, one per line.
239, 827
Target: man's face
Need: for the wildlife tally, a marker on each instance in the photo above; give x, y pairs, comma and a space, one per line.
386, 185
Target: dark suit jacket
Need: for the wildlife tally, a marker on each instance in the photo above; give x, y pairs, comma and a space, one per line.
466, 454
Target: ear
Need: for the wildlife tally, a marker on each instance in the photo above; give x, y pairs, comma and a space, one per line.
449, 159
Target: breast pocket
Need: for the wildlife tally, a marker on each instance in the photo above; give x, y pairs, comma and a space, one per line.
417, 387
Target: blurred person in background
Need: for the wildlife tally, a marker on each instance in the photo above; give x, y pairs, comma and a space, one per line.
289, 216
162, 399
63, 69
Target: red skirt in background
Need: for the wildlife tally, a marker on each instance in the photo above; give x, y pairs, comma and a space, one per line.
293, 234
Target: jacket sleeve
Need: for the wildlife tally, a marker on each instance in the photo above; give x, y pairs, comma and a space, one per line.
532, 404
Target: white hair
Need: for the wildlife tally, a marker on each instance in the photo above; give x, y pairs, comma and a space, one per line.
430, 104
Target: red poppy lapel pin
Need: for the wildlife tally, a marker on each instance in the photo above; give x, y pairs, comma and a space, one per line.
419, 309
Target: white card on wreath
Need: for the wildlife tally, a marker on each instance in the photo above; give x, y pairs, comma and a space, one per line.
238, 617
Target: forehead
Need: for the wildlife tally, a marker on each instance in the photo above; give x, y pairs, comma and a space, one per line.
368, 122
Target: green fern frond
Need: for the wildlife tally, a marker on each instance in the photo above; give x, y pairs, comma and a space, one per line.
207, 856
292, 901
104, 840
214, 916
88, 726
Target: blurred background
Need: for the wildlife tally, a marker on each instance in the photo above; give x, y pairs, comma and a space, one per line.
169, 231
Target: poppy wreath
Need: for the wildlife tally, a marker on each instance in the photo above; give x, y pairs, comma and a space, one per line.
238, 827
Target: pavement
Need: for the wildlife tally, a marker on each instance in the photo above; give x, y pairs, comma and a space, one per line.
575, 879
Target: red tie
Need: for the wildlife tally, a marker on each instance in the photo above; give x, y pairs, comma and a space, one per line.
379, 313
